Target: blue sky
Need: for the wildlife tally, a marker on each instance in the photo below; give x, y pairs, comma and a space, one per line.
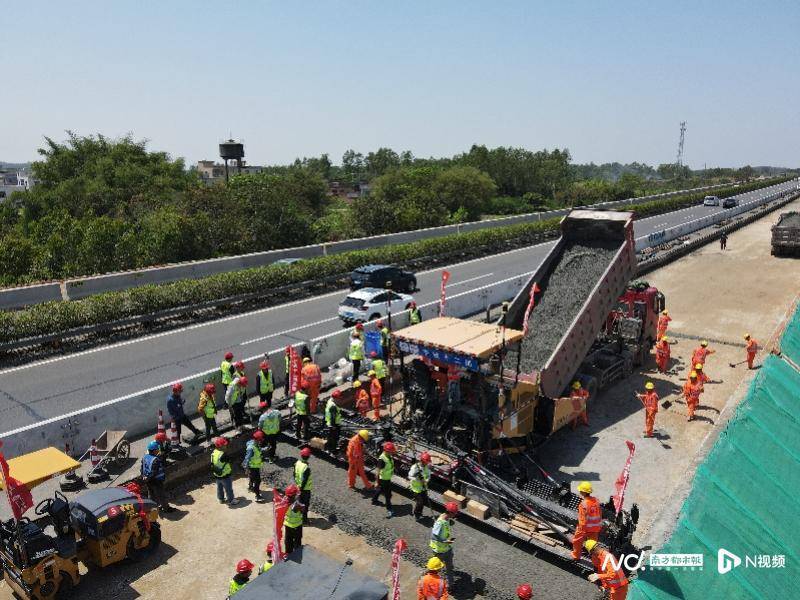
609, 81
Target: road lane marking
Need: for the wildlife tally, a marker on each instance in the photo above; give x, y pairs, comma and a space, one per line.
452, 285
292, 330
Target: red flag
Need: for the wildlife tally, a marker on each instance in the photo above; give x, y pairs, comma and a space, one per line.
622, 481
19, 497
399, 546
280, 504
295, 367
534, 290
443, 299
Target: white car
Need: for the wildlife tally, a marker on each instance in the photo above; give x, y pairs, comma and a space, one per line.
368, 304
710, 201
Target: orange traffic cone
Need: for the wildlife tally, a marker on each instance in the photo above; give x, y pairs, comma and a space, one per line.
160, 428
94, 456
173, 435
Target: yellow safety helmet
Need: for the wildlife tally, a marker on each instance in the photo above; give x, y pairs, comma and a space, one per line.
698, 367
747, 336
371, 373
576, 385
704, 343
364, 435
356, 383
306, 359
693, 375
589, 545
649, 385
435, 564
665, 312
585, 487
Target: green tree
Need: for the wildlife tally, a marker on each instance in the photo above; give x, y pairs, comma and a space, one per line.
381, 161
465, 190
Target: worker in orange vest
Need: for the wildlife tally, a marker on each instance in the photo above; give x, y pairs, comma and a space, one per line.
751, 349
432, 586
611, 579
355, 460
701, 354
590, 519
312, 376
663, 323
691, 392
662, 354
650, 401
376, 393
579, 392
362, 398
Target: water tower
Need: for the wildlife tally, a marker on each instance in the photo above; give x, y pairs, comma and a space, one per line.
231, 150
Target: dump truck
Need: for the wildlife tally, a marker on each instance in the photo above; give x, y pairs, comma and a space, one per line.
786, 234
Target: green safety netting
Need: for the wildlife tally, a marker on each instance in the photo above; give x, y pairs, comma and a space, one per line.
790, 342
745, 498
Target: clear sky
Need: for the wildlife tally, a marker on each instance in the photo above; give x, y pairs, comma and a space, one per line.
607, 80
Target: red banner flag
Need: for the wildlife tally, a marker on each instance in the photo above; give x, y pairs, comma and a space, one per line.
622, 481
443, 299
399, 546
19, 497
534, 290
280, 504
295, 367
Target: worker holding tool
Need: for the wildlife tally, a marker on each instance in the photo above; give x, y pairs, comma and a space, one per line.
362, 398
419, 476
607, 576
333, 421
226, 371
751, 349
252, 463
376, 394
270, 424
650, 401
207, 407
356, 352
236, 399
442, 539
701, 353
221, 470
154, 475
268, 564
175, 404
663, 322
293, 522
385, 472
302, 421
590, 519
355, 460
379, 366
415, 316
691, 392
244, 569
662, 354
524, 591
431, 586
302, 479
579, 392
386, 339
264, 384
312, 377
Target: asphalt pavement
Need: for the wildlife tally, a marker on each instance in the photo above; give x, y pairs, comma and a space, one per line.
56, 386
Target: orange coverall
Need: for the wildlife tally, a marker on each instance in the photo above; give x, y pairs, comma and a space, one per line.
662, 354
362, 401
355, 462
583, 417
432, 586
376, 391
590, 523
691, 392
702, 378
661, 327
611, 579
752, 349
650, 401
311, 375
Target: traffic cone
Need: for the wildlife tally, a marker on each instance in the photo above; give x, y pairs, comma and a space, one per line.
174, 442
160, 428
94, 456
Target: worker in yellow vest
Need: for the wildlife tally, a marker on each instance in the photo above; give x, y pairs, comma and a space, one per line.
385, 472
270, 423
221, 470
244, 568
207, 407
226, 371
301, 413
356, 353
386, 339
293, 522
381, 372
269, 562
442, 538
264, 384
302, 478
252, 463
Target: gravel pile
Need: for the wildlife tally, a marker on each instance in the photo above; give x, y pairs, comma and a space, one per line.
566, 289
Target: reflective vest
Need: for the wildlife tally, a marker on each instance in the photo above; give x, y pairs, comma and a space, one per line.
271, 422
356, 349
209, 406
235, 586
379, 367
386, 472
265, 385
385, 337
590, 514
265, 567
294, 518
301, 403
443, 525
255, 460
420, 475
220, 467
286, 362
237, 395
431, 587
416, 316
333, 416
617, 578
225, 368
300, 468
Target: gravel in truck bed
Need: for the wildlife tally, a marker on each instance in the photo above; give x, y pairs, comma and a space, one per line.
790, 220
571, 281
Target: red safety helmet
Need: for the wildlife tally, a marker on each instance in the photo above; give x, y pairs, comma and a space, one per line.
243, 381
177, 387
270, 547
264, 365
228, 355
451, 508
292, 490
379, 323
305, 452
220, 442
373, 354
425, 458
359, 327
239, 364
210, 388
258, 435
336, 394
413, 304
244, 566
389, 447
161, 437
262, 405
524, 592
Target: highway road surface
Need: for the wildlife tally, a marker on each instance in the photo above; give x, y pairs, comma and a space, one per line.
56, 386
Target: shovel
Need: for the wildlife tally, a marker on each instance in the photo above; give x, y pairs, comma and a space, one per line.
733, 365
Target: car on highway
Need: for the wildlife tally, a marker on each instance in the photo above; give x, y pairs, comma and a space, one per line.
383, 276
730, 203
368, 304
288, 261
711, 201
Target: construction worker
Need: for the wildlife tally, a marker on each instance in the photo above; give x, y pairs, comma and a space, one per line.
356, 353
579, 392
333, 421
293, 522
663, 322
415, 316
355, 460
252, 463
379, 366
442, 539
385, 472
701, 353
431, 586
175, 409
244, 568
236, 399
238, 369
376, 394
264, 384
386, 339
662, 354
221, 470
702, 378
362, 398
650, 401
302, 478
163, 444
301, 413
590, 519
524, 591
268, 564
154, 474
751, 349
419, 476
226, 371
287, 367
723, 241
611, 579
270, 424
207, 407
691, 392
312, 376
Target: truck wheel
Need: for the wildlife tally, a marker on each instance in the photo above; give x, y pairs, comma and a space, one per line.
135, 554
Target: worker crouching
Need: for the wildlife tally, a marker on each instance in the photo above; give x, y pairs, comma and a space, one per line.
610, 578
244, 569
590, 519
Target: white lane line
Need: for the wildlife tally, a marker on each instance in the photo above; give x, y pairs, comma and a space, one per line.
452, 285
292, 330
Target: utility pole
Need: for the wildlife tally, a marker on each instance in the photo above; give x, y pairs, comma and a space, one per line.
679, 159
